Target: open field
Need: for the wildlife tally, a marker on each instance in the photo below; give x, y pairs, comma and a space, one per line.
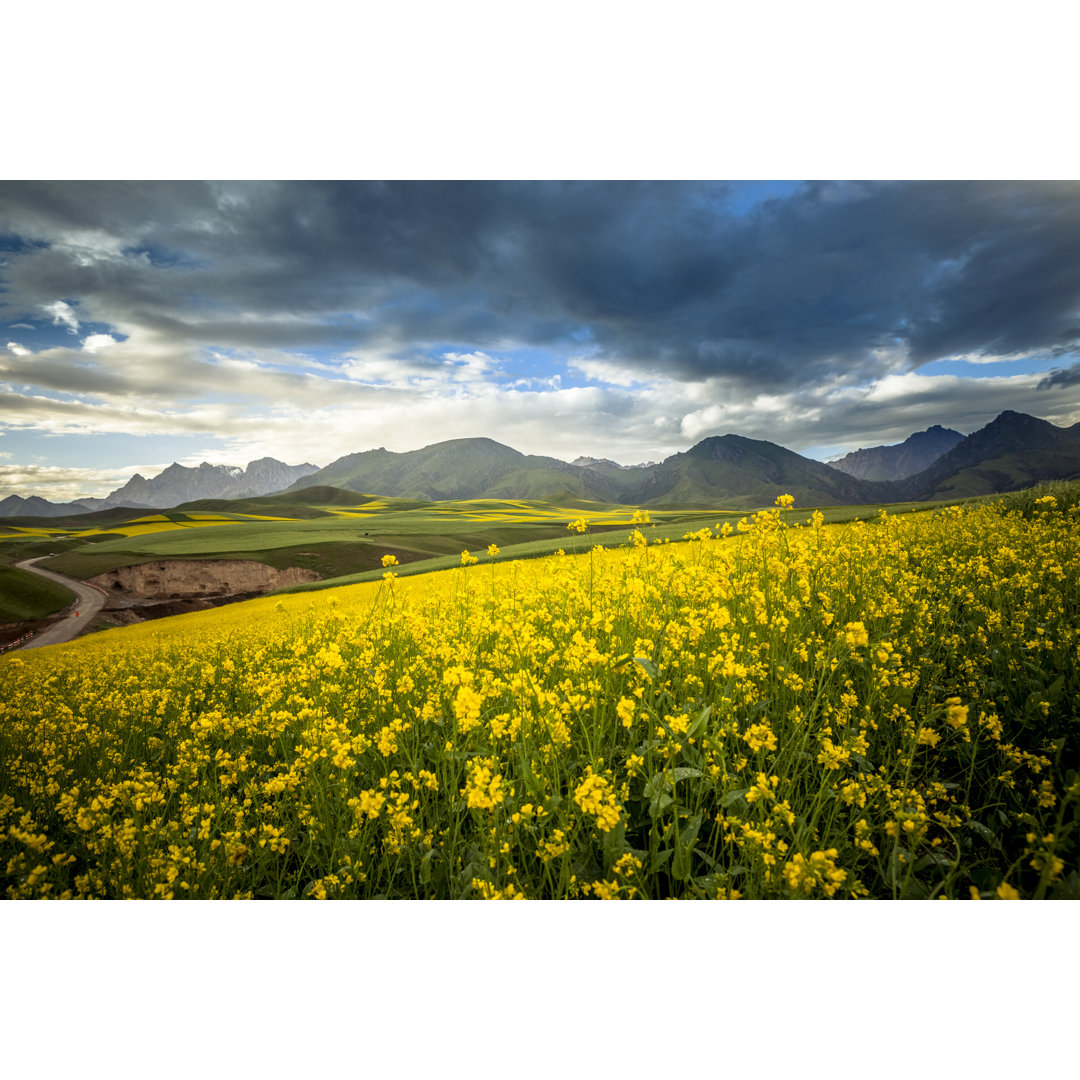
603, 531
882, 709
350, 534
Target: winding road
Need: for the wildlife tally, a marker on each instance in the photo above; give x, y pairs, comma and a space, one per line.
90, 601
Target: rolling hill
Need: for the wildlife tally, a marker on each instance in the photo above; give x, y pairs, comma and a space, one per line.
741, 472
459, 469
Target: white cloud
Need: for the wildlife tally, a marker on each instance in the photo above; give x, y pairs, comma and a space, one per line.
470, 367
59, 483
63, 315
898, 387
983, 358
96, 342
17, 349
604, 371
21, 326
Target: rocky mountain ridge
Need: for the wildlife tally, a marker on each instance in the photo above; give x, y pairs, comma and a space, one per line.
900, 460
176, 484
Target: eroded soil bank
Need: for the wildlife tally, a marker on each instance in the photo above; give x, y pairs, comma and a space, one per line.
185, 579
170, 587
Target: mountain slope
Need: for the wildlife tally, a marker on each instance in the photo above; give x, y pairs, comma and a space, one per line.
35, 506
900, 460
1013, 451
743, 472
457, 469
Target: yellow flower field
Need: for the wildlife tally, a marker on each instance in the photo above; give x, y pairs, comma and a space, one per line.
884, 709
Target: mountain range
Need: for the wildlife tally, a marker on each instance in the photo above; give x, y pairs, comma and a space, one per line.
1013, 451
899, 461
177, 484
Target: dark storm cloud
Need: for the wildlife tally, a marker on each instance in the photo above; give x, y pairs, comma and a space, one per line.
1069, 376
659, 276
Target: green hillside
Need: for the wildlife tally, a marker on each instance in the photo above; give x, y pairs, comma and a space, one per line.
84, 519
307, 503
1014, 451
458, 469
730, 470
333, 545
26, 596
743, 473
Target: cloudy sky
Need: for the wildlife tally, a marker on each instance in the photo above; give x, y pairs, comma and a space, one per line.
147, 322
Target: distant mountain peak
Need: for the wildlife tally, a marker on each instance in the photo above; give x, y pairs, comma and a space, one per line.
593, 462
1011, 419
181, 483
898, 461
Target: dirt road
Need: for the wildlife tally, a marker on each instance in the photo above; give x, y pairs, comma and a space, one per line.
90, 601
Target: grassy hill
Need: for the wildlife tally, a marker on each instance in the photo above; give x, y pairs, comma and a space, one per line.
458, 469
349, 541
308, 503
26, 596
743, 473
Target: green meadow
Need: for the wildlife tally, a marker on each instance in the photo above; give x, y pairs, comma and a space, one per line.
344, 536
26, 596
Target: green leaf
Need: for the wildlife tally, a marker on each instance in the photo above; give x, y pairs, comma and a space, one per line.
1067, 889
733, 797
532, 784
614, 845
933, 858
656, 785
914, 890
699, 723
684, 849
706, 858
684, 773
659, 859
425, 866
981, 830
647, 666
